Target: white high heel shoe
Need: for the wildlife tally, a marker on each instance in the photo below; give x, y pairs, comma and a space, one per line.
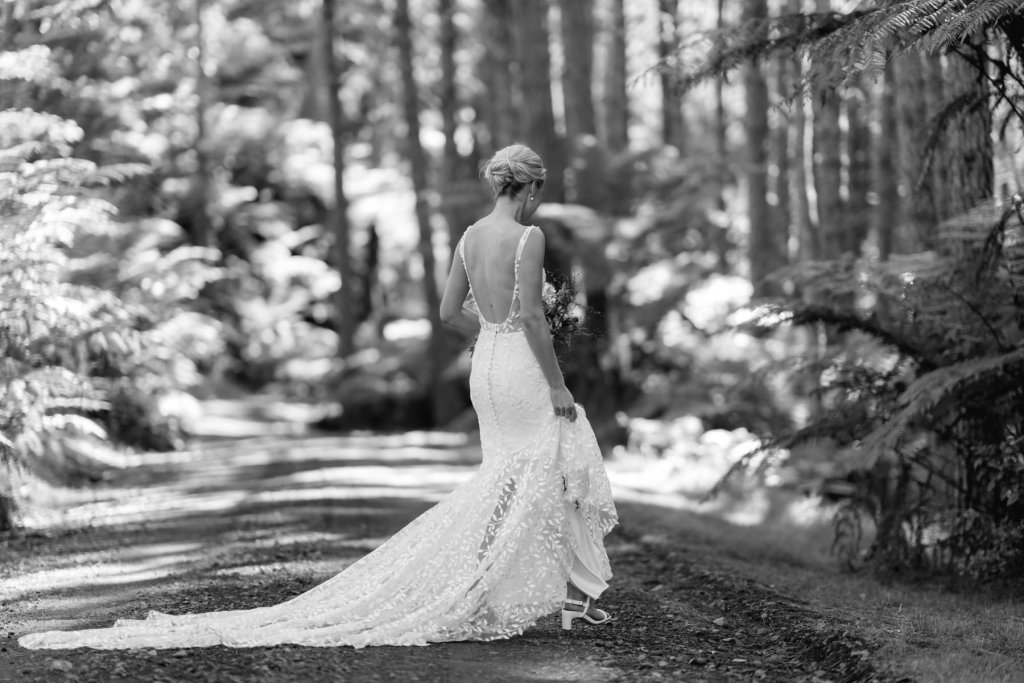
569, 614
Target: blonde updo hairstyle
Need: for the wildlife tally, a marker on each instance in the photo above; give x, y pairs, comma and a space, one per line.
513, 168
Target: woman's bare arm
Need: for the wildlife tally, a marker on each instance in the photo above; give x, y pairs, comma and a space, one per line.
453, 312
535, 325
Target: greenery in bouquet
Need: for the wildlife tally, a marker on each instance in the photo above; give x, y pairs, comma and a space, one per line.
566, 317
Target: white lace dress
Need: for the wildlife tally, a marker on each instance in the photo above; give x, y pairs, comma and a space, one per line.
484, 563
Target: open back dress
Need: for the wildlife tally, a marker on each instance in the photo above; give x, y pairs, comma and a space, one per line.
484, 563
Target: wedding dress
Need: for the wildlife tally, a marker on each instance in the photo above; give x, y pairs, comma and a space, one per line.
484, 563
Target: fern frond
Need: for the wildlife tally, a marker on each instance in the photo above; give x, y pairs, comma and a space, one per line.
64, 9
719, 52
55, 381
12, 157
113, 174
77, 423
63, 405
19, 125
968, 23
62, 170
771, 315
843, 46
997, 374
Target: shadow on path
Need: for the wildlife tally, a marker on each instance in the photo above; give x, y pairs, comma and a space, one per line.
254, 522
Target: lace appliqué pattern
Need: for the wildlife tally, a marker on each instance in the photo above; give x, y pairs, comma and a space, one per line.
484, 563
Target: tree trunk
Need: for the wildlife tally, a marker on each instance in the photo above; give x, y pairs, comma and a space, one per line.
936, 157
6, 513
201, 228
917, 210
884, 169
379, 126
584, 179
673, 128
496, 67
827, 172
418, 163
858, 152
314, 102
339, 214
802, 225
969, 166
534, 60
721, 237
577, 27
765, 255
781, 154
616, 103
449, 107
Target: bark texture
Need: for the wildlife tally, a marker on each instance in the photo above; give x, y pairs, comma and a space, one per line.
765, 252
533, 57
418, 163
338, 217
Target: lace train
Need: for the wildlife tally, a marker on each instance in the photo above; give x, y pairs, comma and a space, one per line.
484, 563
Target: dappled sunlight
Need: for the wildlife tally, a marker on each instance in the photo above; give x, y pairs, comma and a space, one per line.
215, 478
405, 329
354, 492
744, 515
750, 510
153, 550
218, 262
678, 464
678, 456
255, 551
259, 521
152, 506
435, 439
430, 477
140, 564
805, 510
711, 301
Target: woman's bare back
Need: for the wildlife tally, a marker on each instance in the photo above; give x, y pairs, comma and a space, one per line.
490, 253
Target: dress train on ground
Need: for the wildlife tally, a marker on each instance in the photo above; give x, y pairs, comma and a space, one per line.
484, 563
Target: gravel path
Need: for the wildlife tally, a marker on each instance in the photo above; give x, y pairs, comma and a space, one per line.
253, 522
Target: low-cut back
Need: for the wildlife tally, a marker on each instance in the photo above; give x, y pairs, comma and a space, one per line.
513, 307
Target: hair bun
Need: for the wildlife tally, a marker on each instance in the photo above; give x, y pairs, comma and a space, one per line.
512, 168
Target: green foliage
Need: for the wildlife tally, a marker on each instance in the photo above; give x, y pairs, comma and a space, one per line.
842, 47
89, 342
930, 431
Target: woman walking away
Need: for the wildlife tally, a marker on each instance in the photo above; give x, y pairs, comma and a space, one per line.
522, 538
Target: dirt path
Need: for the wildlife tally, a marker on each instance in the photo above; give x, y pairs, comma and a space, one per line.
250, 523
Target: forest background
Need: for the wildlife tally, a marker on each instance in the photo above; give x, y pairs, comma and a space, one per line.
796, 227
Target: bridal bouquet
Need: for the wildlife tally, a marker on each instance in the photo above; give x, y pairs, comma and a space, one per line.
564, 314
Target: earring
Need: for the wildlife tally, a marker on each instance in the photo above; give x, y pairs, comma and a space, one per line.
531, 196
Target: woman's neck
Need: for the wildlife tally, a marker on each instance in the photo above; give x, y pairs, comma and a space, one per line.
507, 206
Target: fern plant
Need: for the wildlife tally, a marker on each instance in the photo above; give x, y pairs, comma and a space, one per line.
842, 47
930, 432
69, 349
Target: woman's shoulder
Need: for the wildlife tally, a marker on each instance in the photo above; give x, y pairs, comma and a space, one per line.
531, 244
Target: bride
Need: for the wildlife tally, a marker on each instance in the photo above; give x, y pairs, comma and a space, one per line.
520, 539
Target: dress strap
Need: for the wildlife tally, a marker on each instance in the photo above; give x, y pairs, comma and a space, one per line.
522, 244
519, 255
461, 248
